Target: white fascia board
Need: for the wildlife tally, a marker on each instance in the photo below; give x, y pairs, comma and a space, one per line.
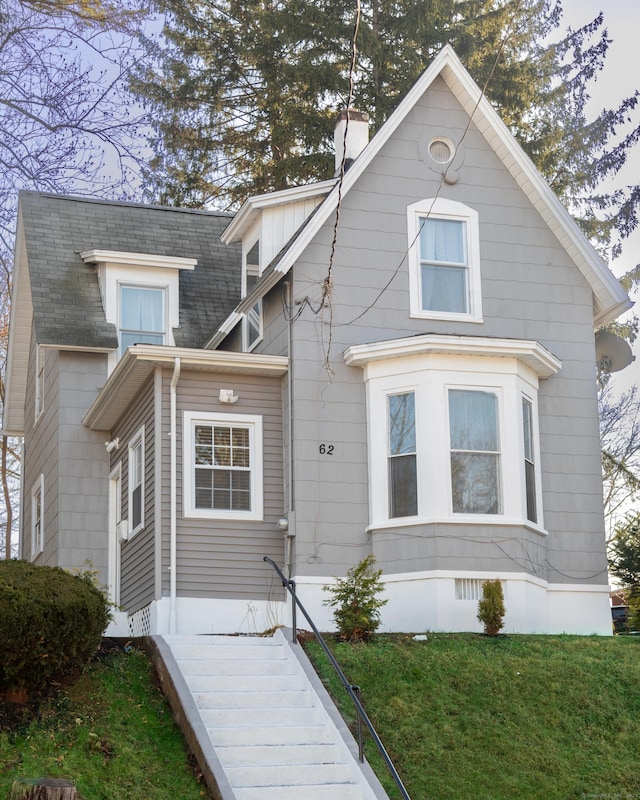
20, 324
139, 361
531, 353
611, 299
137, 259
243, 220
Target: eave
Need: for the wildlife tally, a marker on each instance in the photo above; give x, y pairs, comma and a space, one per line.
139, 362
253, 206
530, 353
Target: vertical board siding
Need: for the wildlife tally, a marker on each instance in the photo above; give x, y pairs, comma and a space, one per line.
530, 290
137, 570
223, 558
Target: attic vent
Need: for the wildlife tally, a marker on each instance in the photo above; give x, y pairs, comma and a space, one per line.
441, 150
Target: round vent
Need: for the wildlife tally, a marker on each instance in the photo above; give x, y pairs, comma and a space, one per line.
441, 150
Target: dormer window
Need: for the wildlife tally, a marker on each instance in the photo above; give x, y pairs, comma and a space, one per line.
140, 295
142, 316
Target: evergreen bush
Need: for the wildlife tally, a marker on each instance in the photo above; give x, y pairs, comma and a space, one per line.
50, 622
355, 601
491, 608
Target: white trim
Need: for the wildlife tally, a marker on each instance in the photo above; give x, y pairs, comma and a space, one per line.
441, 208
137, 440
115, 518
39, 383
530, 353
116, 257
425, 601
37, 499
253, 423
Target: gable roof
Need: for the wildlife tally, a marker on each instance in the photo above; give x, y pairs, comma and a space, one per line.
58, 293
609, 299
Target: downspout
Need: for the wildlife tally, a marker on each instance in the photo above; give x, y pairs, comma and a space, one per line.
173, 514
290, 531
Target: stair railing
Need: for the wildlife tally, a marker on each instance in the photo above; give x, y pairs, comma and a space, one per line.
352, 691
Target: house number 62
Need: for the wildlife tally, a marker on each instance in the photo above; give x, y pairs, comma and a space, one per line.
325, 449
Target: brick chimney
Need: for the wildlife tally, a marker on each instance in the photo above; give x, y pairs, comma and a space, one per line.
357, 136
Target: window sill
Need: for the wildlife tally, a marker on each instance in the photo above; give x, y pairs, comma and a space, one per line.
459, 519
446, 317
239, 516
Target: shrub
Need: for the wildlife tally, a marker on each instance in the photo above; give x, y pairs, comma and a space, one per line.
355, 601
491, 609
50, 622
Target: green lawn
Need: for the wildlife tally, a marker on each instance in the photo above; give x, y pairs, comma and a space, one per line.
466, 717
463, 716
111, 732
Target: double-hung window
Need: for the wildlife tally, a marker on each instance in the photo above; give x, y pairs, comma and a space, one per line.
403, 479
474, 430
142, 315
222, 465
136, 483
529, 459
444, 260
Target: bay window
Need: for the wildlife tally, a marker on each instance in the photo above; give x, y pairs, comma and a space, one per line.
452, 429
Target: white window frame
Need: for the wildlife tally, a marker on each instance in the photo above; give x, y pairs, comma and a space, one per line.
254, 425
432, 377
255, 313
136, 442
441, 208
37, 517
39, 393
164, 288
497, 393
532, 398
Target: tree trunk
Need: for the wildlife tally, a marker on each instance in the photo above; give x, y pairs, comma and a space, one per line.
43, 789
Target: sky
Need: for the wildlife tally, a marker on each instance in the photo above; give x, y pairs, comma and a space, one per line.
620, 78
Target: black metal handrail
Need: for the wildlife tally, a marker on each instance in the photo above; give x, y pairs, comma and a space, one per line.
352, 691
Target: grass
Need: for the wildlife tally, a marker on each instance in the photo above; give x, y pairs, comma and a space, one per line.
111, 732
466, 717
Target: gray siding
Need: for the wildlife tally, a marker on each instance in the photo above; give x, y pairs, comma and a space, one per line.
530, 290
72, 460
224, 558
137, 555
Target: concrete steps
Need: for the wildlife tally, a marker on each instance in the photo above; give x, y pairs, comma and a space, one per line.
269, 729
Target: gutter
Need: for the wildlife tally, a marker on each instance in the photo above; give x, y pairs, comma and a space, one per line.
173, 499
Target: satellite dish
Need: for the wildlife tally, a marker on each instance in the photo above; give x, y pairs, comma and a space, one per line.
612, 352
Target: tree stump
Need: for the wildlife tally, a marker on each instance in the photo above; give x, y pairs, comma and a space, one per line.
43, 789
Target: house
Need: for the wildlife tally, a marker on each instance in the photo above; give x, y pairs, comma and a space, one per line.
398, 361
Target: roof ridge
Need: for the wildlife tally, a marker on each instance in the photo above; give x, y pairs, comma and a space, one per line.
125, 203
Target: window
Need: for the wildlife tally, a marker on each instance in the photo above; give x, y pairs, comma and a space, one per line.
223, 466
37, 510
445, 431
444, 260
529, 463
39, 401
142, 316
252, 326
474, 432
402, 456
136, 483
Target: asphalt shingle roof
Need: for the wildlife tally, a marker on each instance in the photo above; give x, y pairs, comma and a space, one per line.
67, 308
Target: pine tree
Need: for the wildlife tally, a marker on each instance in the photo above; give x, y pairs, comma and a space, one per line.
244, 92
